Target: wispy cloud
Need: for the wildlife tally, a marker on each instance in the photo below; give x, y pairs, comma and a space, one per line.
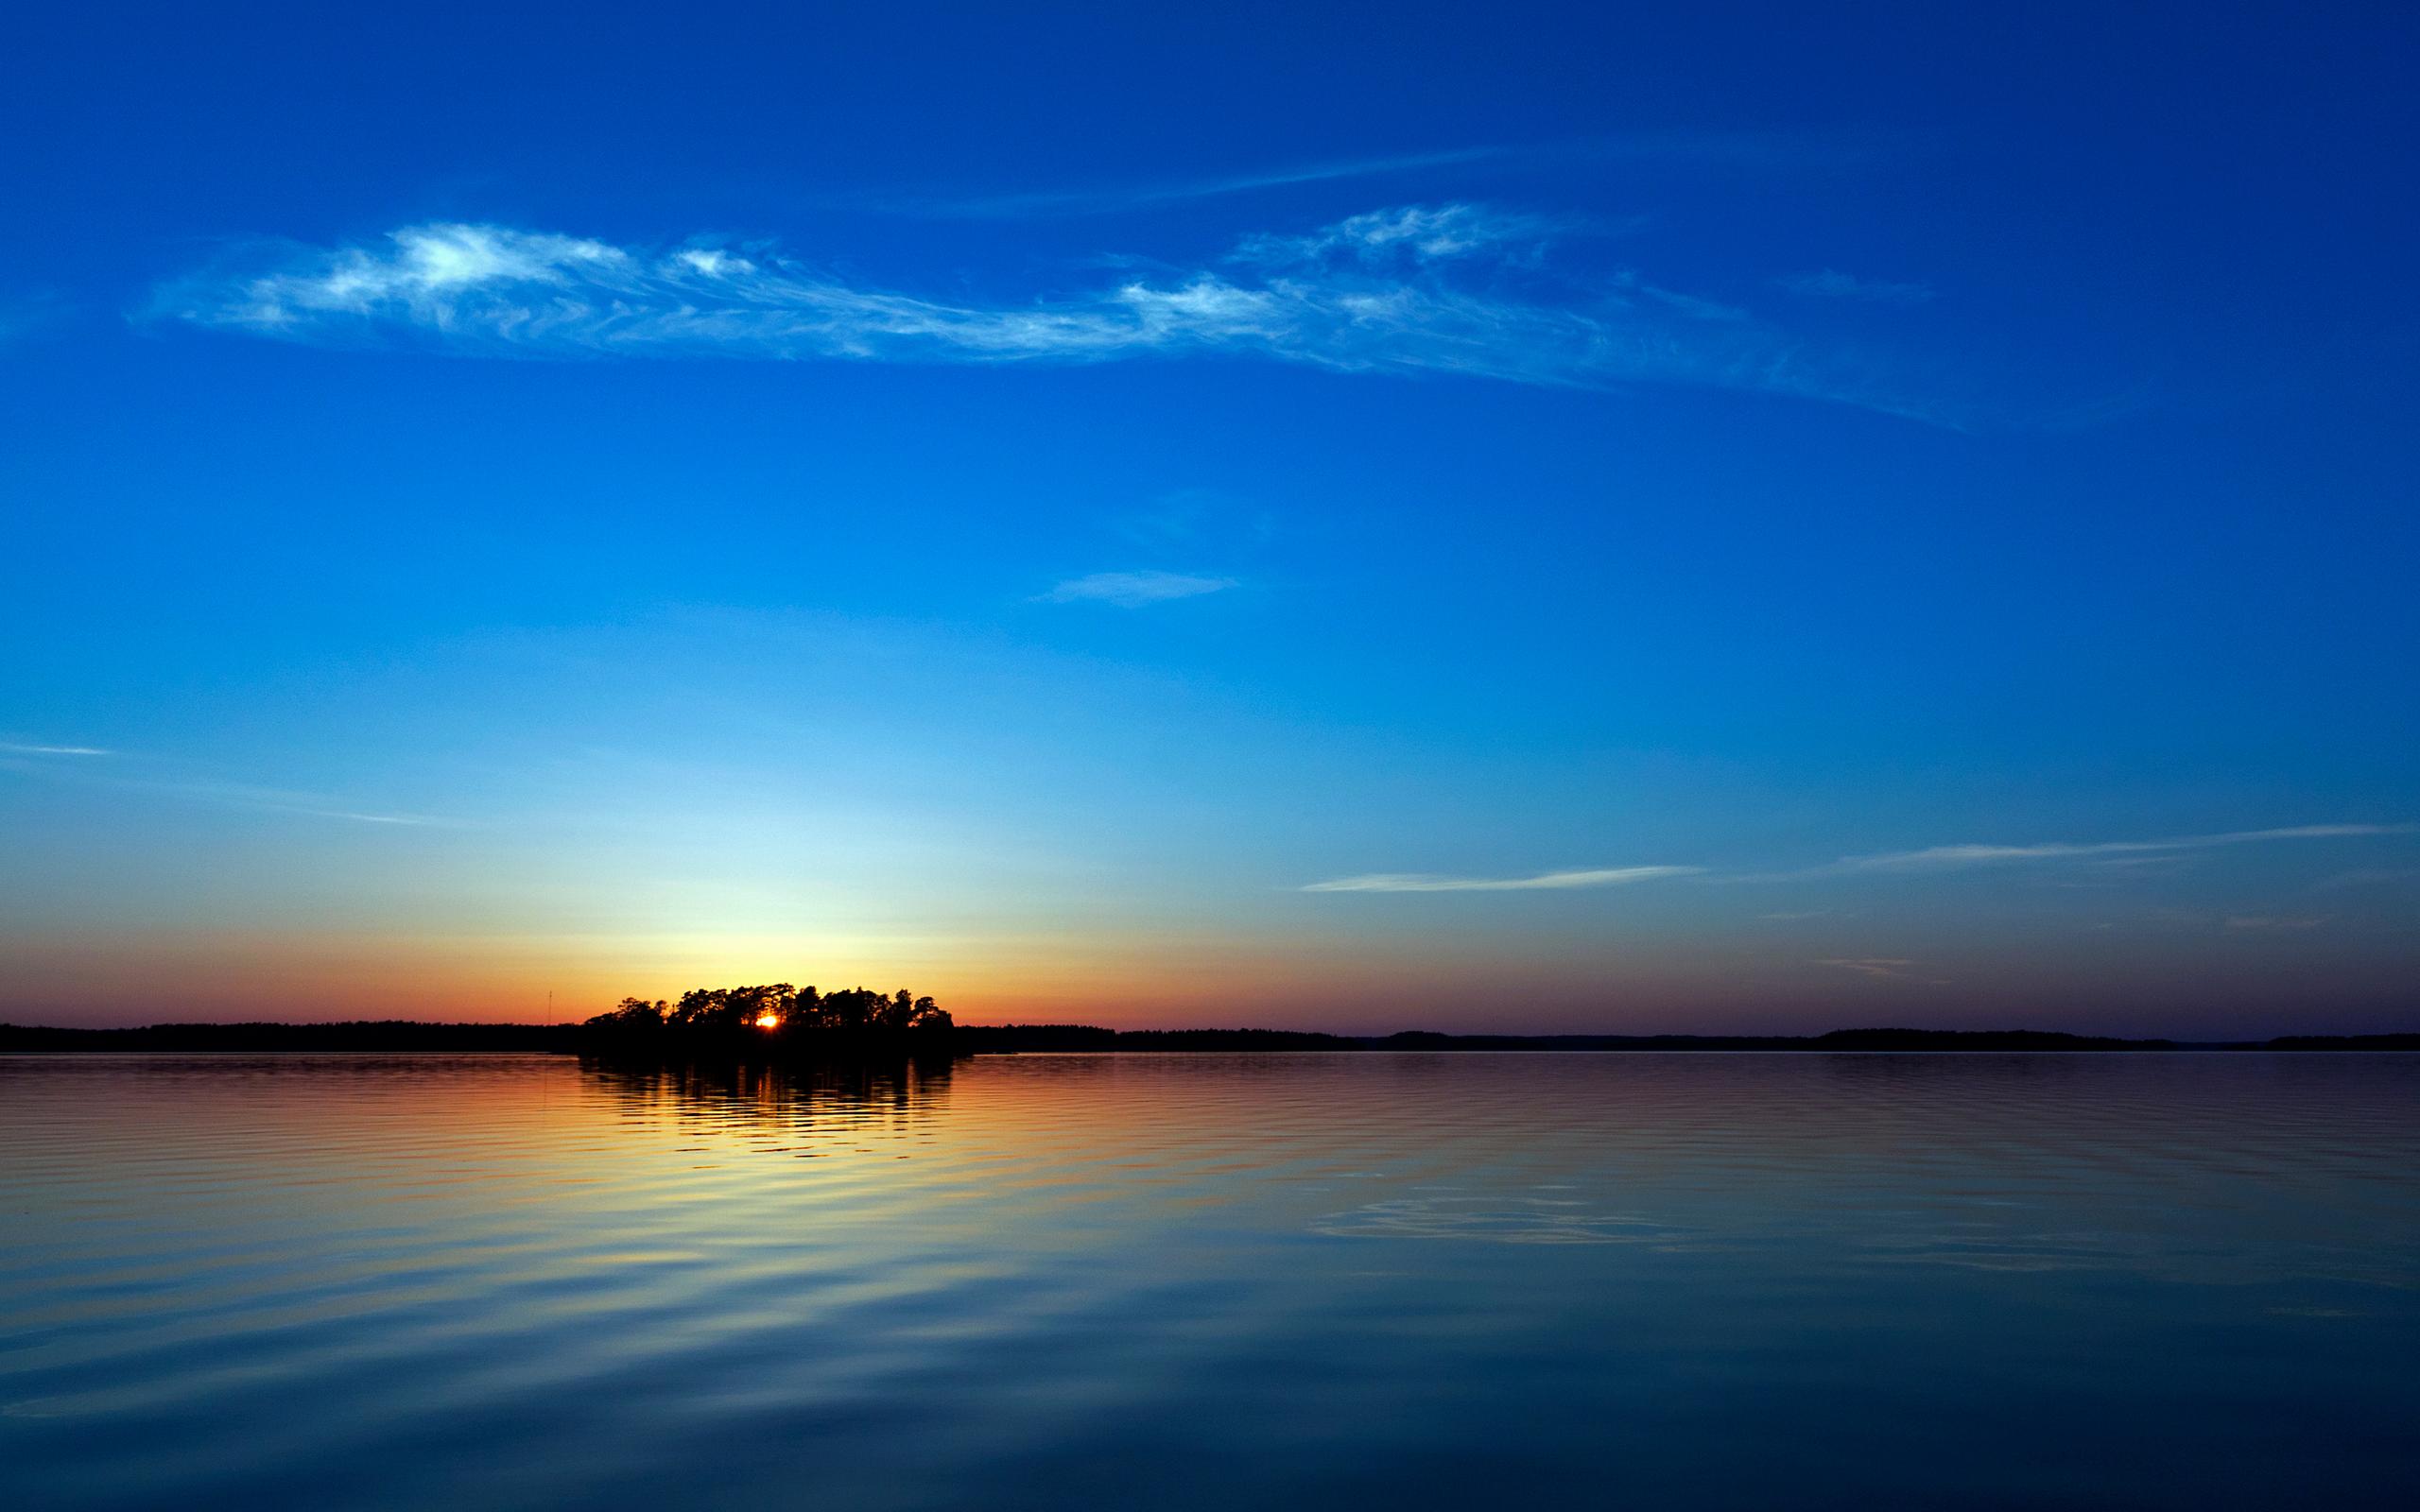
279, 800
1830, 283
1423, 882
1930, 860
1132, 590
1406, 237
1954, 857
1893, 968
153, 777
1451, 289
1783, 151
1868, 965
2264, 921
1144, 196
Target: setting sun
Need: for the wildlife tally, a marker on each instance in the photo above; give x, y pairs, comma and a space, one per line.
769, 1020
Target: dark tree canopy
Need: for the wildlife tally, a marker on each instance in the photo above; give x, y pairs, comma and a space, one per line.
773, 1018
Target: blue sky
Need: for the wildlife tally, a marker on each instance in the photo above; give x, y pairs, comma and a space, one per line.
1482, 517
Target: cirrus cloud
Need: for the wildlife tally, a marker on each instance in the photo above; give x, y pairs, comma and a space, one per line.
1955, 857
1543, 882
1132, 590
1453, 288
1930, 859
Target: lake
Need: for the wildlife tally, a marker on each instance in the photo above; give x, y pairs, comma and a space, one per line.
1179, 1281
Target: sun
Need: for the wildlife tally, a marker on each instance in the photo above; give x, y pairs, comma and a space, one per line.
769, 1020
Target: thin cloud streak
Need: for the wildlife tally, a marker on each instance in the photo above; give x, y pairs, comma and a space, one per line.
1073, 203
274, 801
1933, 859
1953, 857
1444, 289
1889, 968
114, 778
280, 800
1132, 590
1762, 150
1543, 882
1870, 965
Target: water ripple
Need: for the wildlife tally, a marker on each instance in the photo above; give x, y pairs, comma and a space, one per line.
1064, 1281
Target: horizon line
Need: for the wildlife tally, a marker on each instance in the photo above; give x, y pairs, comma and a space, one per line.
495, 1028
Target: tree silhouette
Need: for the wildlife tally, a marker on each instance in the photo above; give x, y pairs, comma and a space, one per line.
772, 1019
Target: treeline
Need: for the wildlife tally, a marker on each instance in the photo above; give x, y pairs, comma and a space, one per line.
1045, 1037
770, 1020
352, 1036
729, 1018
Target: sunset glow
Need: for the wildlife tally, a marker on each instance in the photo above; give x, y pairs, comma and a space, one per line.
1029, 757
1501, 553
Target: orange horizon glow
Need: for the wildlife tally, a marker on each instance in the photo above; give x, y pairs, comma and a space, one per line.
1115, 980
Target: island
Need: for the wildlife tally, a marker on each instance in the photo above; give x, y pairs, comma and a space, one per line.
772, 1020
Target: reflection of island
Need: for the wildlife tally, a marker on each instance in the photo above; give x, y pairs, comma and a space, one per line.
772, 1021
778, 1094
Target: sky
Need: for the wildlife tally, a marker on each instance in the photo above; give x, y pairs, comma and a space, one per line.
1489, 516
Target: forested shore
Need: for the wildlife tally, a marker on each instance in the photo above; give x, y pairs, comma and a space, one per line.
406, 1037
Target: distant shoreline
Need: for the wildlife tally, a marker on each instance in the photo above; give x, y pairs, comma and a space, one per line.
394, 1036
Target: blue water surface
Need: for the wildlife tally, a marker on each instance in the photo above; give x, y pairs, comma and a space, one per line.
1179, 1281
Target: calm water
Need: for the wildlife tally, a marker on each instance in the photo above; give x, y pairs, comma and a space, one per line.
1198, 1282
